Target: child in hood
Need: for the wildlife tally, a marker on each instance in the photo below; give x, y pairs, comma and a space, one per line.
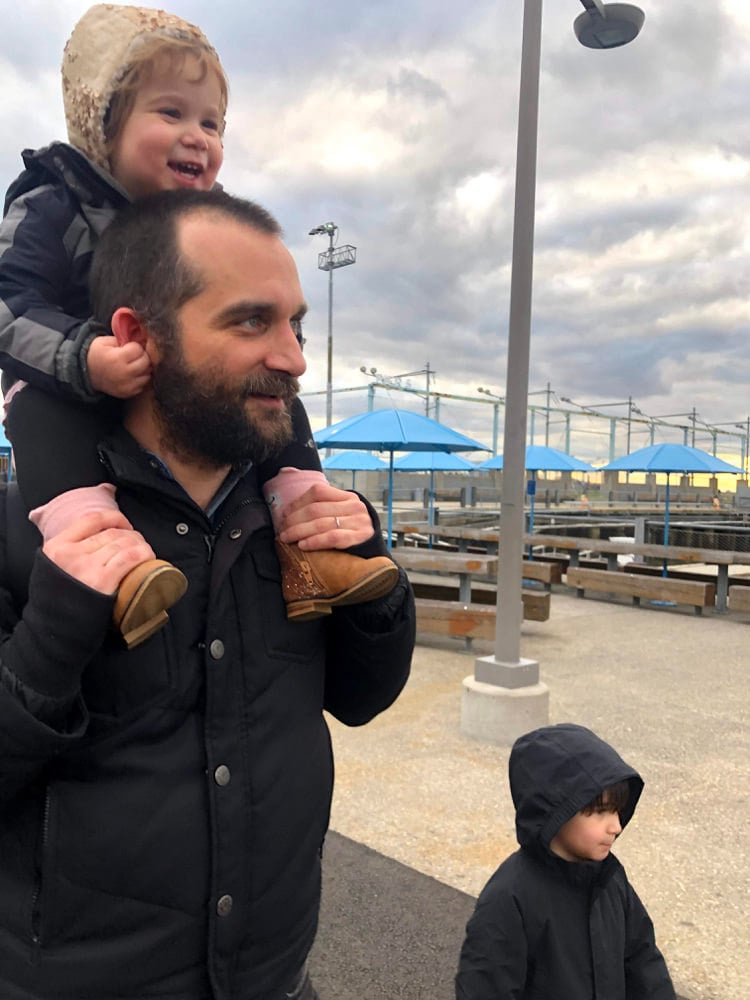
145, 98
559, 919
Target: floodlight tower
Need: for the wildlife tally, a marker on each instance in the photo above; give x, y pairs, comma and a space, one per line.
328, 260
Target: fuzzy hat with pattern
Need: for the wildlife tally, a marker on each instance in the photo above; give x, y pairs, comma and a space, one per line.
97, 56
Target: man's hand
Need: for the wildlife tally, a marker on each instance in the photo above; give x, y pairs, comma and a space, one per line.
118, 371
99, 550
326, 518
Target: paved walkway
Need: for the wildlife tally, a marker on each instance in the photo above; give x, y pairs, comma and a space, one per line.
668, 689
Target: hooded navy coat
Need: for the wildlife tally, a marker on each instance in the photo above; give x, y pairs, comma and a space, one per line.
549, 929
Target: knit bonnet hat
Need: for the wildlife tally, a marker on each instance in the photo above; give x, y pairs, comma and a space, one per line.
96, 58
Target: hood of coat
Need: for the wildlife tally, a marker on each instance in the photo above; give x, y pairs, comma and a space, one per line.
558, 770
98, 54
61, 163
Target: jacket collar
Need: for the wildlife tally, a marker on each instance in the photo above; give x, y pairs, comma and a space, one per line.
133, 467
62, 163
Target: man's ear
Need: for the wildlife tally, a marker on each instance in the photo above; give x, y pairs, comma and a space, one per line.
127, 328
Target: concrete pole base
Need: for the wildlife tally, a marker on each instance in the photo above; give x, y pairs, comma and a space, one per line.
499, 714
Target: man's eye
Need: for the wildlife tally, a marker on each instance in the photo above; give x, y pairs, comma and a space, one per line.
254, 322
297, 327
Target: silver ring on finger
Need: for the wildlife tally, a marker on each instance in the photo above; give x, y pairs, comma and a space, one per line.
338, 523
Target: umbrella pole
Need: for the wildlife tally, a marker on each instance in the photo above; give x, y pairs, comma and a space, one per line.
431, 514
532, 499
666, 526
390, 504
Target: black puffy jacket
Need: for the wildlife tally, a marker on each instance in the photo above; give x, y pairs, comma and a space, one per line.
162, 810
549, 929
54, 214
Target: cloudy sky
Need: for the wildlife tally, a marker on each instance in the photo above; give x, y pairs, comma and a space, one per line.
397, 121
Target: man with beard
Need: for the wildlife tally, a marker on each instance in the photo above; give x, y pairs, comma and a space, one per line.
163, 810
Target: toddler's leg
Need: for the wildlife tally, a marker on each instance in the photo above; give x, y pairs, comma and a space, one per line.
55, 444
53, 517
55, 449
315, 582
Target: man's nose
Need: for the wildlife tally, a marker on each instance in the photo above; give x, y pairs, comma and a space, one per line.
285, 354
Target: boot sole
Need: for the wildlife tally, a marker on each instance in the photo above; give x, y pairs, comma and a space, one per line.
377, 584
138, 615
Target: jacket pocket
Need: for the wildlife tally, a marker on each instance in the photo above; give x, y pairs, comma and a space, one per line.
121, 682
296, 641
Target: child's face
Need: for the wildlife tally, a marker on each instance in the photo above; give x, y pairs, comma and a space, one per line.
171, 138
587, 836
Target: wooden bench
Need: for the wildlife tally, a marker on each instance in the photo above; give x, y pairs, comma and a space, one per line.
574, 546
698, 595
536, 602
739, 597
721, 558
473, 621
546, 573
464, 565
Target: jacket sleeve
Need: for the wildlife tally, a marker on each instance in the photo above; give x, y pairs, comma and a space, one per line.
646, 974
370, 645
39, 343
493, 958
369, 654
44, 648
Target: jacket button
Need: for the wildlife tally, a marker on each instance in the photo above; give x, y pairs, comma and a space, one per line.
224, 906
235, 533
216, 649
222, 775
181, 528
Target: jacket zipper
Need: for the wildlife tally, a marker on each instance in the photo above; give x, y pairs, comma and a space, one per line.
210, 539
36, 913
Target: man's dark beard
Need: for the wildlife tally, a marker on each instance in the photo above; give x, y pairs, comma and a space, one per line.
202, 417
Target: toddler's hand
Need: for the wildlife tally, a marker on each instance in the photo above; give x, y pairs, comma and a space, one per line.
118, 371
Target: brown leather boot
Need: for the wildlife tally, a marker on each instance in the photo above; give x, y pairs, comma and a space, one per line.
143, 597
315, 582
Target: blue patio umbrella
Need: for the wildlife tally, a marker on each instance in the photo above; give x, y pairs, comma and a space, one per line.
669, 458
432, 462
541, 458
354, 462
392, 431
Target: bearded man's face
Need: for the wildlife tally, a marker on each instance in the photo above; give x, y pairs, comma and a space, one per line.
204, 416
226, 374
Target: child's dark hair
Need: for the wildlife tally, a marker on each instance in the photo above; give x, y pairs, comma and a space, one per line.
613, 797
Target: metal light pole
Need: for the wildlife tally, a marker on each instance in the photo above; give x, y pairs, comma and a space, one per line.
599, 26
495, 415
330, 259
532, 409
396, 381
658, 418
746, 450
507, 661
594, 408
